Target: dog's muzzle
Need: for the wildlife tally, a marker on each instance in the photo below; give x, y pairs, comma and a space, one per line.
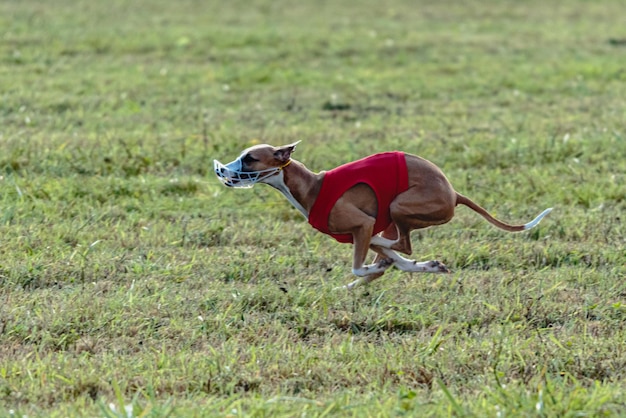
232, 177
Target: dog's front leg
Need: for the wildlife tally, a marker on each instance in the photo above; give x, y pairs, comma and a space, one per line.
361, 239
370, 277
362, 280
346, 217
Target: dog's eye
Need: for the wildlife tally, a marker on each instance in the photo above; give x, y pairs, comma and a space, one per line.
249, 159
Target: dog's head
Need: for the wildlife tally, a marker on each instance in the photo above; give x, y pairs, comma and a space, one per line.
256, 164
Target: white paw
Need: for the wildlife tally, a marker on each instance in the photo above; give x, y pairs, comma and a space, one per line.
379, 267
425, 267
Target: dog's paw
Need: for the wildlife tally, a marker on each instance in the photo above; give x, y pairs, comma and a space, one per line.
438, 266
385, 262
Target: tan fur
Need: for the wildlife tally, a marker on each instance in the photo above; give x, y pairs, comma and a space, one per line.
429, 200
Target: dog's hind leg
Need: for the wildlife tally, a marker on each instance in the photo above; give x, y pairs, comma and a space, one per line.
383, 243
387, 238
412, 266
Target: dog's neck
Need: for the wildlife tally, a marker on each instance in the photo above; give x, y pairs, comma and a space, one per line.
299, 185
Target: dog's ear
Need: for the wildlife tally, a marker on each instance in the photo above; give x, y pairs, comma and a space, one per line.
283, 154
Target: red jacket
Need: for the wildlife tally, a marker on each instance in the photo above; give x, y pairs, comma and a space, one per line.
385, 173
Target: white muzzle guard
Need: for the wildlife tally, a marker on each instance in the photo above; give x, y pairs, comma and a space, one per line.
232, 177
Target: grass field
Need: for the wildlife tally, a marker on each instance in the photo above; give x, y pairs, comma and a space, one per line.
133, 284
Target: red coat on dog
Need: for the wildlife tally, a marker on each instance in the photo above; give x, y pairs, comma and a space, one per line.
385, 173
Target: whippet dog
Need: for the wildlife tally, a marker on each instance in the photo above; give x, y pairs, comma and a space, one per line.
373, 203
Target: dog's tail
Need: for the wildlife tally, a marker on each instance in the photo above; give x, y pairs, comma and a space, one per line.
462, 200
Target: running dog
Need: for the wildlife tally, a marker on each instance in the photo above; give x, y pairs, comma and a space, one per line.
373, 203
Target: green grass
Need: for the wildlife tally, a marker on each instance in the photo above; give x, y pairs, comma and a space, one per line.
131, 281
